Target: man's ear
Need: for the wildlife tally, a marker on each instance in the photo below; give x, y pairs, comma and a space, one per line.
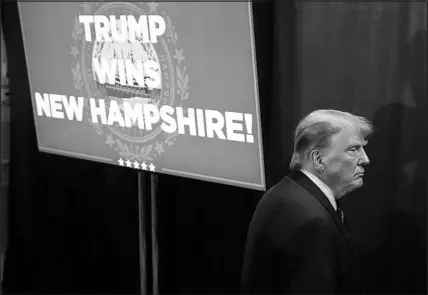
317, 160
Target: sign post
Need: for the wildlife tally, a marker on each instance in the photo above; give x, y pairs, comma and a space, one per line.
154, 231
142, 234
144, 189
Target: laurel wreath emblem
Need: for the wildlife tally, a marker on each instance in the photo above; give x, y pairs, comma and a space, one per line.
131, 150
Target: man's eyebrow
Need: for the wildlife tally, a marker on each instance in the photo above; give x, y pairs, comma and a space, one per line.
357, 143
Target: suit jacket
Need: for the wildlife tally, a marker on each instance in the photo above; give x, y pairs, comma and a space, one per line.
298, 244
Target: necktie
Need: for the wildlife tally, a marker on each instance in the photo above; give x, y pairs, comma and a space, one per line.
341, 214
342, 218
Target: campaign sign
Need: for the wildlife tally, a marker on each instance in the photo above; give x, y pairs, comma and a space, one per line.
166, 87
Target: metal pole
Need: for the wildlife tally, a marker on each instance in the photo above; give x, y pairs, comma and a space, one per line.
155, 256
142, 234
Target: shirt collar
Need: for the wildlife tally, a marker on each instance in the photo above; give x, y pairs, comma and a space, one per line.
323, 187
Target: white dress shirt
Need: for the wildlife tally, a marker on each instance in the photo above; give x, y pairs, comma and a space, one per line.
323, 187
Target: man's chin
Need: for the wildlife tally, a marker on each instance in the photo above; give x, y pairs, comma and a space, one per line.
356, 184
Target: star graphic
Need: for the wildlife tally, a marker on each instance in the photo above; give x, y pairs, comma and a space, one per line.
109, 140
86, 7
136, 164
153, 6
179, 55
159, 147
144, 166
74, 51
120, 162
128, 164
152, 167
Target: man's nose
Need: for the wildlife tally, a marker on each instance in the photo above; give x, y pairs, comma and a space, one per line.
364, 159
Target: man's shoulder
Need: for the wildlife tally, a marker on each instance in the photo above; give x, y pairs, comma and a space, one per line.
290, 198
286, 208
286, 190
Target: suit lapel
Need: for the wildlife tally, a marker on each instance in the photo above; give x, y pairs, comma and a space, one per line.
305, 182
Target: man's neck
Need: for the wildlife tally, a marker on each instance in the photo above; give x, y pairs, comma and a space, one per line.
328, 192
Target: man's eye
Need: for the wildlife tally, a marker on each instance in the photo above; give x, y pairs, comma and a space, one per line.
353, 150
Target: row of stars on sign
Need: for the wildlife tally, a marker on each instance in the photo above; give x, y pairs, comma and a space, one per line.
137, 165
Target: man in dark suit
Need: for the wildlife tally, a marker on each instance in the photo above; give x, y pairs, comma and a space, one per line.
298, 241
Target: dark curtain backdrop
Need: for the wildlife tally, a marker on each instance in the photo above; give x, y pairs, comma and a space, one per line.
370, 58
74, 224
4, 151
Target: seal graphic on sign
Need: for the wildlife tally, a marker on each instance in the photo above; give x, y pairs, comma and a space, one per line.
167, 82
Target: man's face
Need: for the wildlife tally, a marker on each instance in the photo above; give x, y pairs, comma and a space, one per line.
343, 162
